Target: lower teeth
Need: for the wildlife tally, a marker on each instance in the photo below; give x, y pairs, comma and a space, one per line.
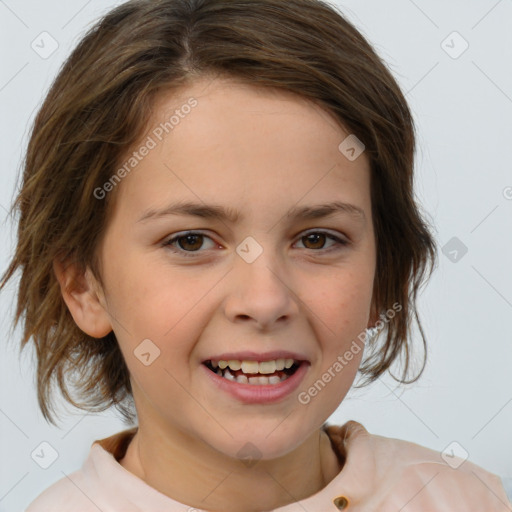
254, 381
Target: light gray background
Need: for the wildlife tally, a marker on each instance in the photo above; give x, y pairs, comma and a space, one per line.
463, 110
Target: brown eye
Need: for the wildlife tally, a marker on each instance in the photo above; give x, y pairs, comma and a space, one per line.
188, 243
315, 240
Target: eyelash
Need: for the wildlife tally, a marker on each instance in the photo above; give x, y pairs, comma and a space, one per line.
194, 254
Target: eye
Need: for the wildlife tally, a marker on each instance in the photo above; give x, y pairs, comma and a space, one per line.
318, 238
190, 242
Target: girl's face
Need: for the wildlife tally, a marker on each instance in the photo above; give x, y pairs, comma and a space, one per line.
264, 283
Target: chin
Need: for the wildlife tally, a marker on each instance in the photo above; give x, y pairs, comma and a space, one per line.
262, 441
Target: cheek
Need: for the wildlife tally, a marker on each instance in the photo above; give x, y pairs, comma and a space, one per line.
342, 311
142, 295
167, 308
341, 303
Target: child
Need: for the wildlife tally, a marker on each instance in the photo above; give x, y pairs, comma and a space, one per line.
256, 127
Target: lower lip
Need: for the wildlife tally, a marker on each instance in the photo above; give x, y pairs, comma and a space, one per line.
259, 394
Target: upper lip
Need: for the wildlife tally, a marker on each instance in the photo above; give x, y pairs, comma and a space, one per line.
249, 355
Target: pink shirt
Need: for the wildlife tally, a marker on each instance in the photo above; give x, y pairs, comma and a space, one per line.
378, 474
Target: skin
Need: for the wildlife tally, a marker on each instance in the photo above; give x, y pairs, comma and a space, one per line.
261, 152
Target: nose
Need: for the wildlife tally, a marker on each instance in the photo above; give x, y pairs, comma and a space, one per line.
261, 292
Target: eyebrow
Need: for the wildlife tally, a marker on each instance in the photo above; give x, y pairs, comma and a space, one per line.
217, 212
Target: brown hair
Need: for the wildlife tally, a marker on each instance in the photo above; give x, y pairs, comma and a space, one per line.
98, 107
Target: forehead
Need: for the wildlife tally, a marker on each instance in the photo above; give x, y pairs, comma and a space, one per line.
223, 94
222, 141
231, 110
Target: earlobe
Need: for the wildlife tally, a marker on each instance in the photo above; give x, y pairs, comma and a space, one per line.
82, 295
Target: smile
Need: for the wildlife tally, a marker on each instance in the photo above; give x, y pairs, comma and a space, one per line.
256, 382
253, 372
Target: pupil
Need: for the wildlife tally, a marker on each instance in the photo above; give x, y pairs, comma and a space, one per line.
314, 235
187, 238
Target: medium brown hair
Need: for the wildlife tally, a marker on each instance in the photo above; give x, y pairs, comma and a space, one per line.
98, 107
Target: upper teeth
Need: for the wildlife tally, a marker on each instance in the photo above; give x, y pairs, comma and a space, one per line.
255, 366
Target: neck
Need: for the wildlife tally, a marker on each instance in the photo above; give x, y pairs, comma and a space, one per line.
182, 469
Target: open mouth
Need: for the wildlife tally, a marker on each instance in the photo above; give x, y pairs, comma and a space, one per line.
256, 373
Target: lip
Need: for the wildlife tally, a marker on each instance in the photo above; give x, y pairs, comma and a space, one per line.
248, 355
259, 394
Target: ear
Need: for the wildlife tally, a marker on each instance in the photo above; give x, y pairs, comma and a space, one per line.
84, 298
